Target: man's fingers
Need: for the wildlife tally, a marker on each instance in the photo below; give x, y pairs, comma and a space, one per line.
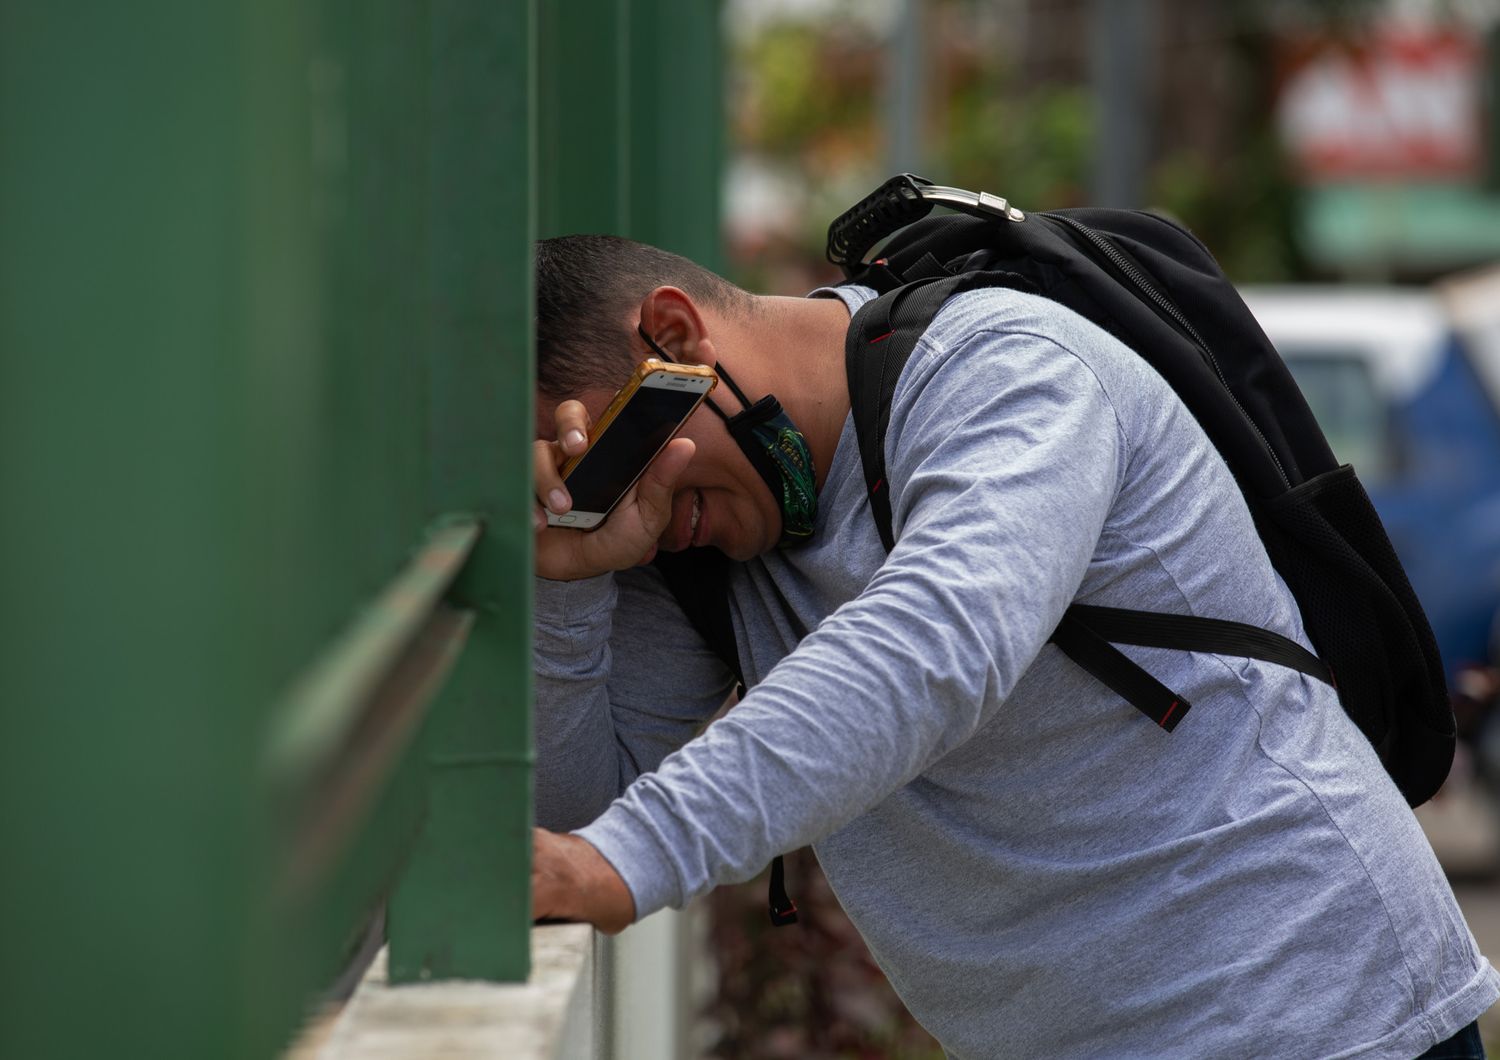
547, 890
655, 487
572, 421
653, 493
628, 537
550, 490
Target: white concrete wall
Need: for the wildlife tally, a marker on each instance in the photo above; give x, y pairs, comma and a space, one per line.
590, 997
643, 976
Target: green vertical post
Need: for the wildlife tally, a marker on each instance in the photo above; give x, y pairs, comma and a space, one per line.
134, 334
583, 128
365, 90
462, 909
677, 122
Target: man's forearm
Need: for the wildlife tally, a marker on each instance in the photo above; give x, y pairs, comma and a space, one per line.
577, 771
622, 681
570, 880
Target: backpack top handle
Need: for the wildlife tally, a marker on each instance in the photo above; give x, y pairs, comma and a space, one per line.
900, 201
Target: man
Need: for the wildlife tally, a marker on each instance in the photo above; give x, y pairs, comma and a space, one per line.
1038, 869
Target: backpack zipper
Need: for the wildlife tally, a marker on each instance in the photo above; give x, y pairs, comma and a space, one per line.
1136, 277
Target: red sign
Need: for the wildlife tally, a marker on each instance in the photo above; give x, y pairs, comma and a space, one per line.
1403, 102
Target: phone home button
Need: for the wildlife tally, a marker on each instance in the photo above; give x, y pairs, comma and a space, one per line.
566, 519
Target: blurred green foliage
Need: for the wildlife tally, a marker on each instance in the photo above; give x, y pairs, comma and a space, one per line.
808, 103
811, 93
1242, 208
1032, 146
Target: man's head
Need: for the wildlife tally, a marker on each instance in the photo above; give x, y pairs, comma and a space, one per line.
589, 295
592, 293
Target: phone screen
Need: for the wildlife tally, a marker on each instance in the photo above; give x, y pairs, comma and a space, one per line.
639, 430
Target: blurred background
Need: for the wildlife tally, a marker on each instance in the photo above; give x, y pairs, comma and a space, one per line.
1340, 158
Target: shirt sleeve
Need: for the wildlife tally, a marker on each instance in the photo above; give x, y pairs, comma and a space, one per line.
1004, 457
613, 698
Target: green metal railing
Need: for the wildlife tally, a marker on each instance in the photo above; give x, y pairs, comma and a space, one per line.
265, 413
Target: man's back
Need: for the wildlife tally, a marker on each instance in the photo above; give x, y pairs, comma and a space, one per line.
1039, 869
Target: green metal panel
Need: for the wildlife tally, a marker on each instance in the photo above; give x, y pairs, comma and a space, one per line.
338, 731
463, 907
583, 134
677, 122
253, 284
129, 636
265, 302
631, 122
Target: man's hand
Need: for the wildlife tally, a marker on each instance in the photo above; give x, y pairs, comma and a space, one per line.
628, 537
570, 880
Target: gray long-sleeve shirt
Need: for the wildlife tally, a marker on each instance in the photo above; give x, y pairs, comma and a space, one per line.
1038, 869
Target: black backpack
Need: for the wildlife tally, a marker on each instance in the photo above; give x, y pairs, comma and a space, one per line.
1153, 285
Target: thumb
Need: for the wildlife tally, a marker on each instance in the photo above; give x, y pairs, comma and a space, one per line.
653, 493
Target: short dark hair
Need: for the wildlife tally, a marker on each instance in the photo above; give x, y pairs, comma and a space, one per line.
586, 288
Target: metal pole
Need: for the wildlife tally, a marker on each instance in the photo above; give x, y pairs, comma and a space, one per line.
906, 90
1122, 39
1492, 88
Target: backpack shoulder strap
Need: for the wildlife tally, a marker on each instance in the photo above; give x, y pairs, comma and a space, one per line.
880, 340
699, 580
874, 357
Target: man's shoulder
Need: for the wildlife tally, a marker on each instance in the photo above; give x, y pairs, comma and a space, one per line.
980, 316
985, 313
1006, 339
1016, 337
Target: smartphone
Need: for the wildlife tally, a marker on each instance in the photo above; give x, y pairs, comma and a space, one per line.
641, 419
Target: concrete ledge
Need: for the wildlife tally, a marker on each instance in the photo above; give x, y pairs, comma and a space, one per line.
549, 1016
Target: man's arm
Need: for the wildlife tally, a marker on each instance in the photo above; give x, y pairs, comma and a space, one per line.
1003, 469
570, 880
622, 680
612, 697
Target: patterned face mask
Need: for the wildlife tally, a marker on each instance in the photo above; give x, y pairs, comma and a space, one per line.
776, 449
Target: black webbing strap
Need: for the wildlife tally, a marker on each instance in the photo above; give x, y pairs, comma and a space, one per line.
1111, 666
699, 580
1214, 636
1087, 635
880, 341
783, 909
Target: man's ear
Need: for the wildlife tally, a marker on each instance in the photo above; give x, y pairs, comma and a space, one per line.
673, 319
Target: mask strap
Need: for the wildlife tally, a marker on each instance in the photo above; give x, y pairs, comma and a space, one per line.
718, 369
